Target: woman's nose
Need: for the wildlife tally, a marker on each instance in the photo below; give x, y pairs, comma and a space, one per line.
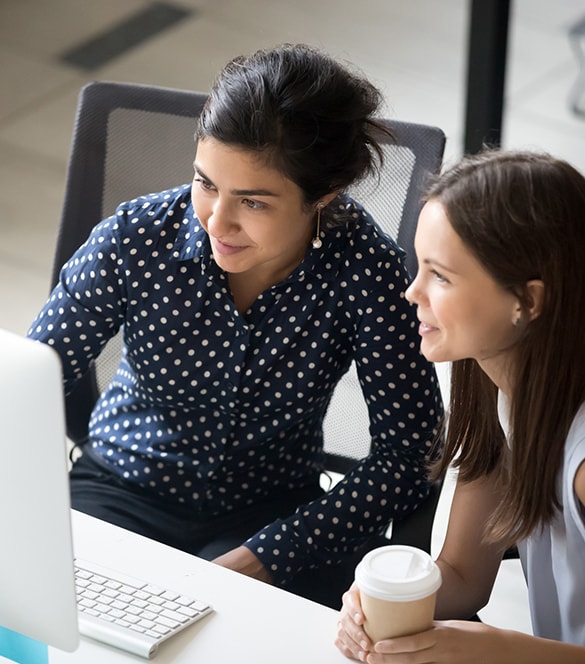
411, 293
221, 222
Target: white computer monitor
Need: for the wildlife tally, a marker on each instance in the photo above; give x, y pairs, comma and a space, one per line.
37, 591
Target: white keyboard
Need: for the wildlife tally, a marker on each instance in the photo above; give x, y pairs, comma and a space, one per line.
128, 613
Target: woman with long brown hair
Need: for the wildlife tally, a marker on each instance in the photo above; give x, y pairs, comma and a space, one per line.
501, 293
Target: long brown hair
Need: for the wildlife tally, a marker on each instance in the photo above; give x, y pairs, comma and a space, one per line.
522, 215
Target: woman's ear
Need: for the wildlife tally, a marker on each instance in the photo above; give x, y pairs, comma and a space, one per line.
325, 200
534, 298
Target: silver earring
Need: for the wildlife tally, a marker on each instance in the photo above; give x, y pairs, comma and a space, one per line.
317, 243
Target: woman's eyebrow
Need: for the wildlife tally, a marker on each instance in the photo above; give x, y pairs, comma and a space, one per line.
252, 192
237, 192
433, 262
200, 172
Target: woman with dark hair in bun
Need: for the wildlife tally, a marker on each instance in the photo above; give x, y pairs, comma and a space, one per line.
243, 298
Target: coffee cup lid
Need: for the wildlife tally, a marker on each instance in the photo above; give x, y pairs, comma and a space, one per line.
398, 573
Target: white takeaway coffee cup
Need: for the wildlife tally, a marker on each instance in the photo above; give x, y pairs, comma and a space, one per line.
398, 587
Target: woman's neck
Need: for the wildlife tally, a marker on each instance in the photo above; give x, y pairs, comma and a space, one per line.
499, 371
247, 286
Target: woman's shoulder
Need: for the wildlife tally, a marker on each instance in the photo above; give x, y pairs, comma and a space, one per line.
169, 201
362, 232
575, 444
155, 216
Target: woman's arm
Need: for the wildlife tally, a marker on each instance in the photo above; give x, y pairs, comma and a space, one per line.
580, 484
469, 569
242, 560
460, 642
449, 642
405, 410
468, 565
85, 309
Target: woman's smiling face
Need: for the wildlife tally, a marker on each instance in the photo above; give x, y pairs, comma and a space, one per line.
256, 218
463, 311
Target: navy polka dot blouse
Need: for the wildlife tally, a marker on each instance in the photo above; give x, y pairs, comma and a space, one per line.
216, 410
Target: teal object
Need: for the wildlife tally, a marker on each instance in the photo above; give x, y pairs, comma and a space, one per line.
21, 649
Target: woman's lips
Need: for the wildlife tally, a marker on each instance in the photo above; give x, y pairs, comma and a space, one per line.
425, 328
227, 249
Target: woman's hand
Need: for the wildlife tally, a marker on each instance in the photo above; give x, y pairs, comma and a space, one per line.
448, 642
351, 638
462, 642
242, 560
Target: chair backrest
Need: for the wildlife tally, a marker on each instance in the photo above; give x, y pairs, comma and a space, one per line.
395, 202
128, 140
133, 139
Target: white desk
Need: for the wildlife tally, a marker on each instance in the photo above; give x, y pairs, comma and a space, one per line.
253, 623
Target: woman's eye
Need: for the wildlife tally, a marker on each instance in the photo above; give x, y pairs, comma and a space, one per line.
252, 204
439, 277
204, 184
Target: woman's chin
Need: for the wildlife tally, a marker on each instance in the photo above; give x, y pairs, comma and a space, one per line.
433, 353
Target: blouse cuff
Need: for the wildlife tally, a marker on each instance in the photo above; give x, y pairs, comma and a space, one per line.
279, 551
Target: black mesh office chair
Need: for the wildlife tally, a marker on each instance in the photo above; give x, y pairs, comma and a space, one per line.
134, 139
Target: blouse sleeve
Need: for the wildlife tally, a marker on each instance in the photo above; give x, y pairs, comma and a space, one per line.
405, 409
86, 307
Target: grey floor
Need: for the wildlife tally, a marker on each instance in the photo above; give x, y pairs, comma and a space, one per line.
414, 50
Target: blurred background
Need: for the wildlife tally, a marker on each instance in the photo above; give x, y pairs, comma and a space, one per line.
415, 51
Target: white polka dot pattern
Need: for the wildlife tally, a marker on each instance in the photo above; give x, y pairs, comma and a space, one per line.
216, 410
